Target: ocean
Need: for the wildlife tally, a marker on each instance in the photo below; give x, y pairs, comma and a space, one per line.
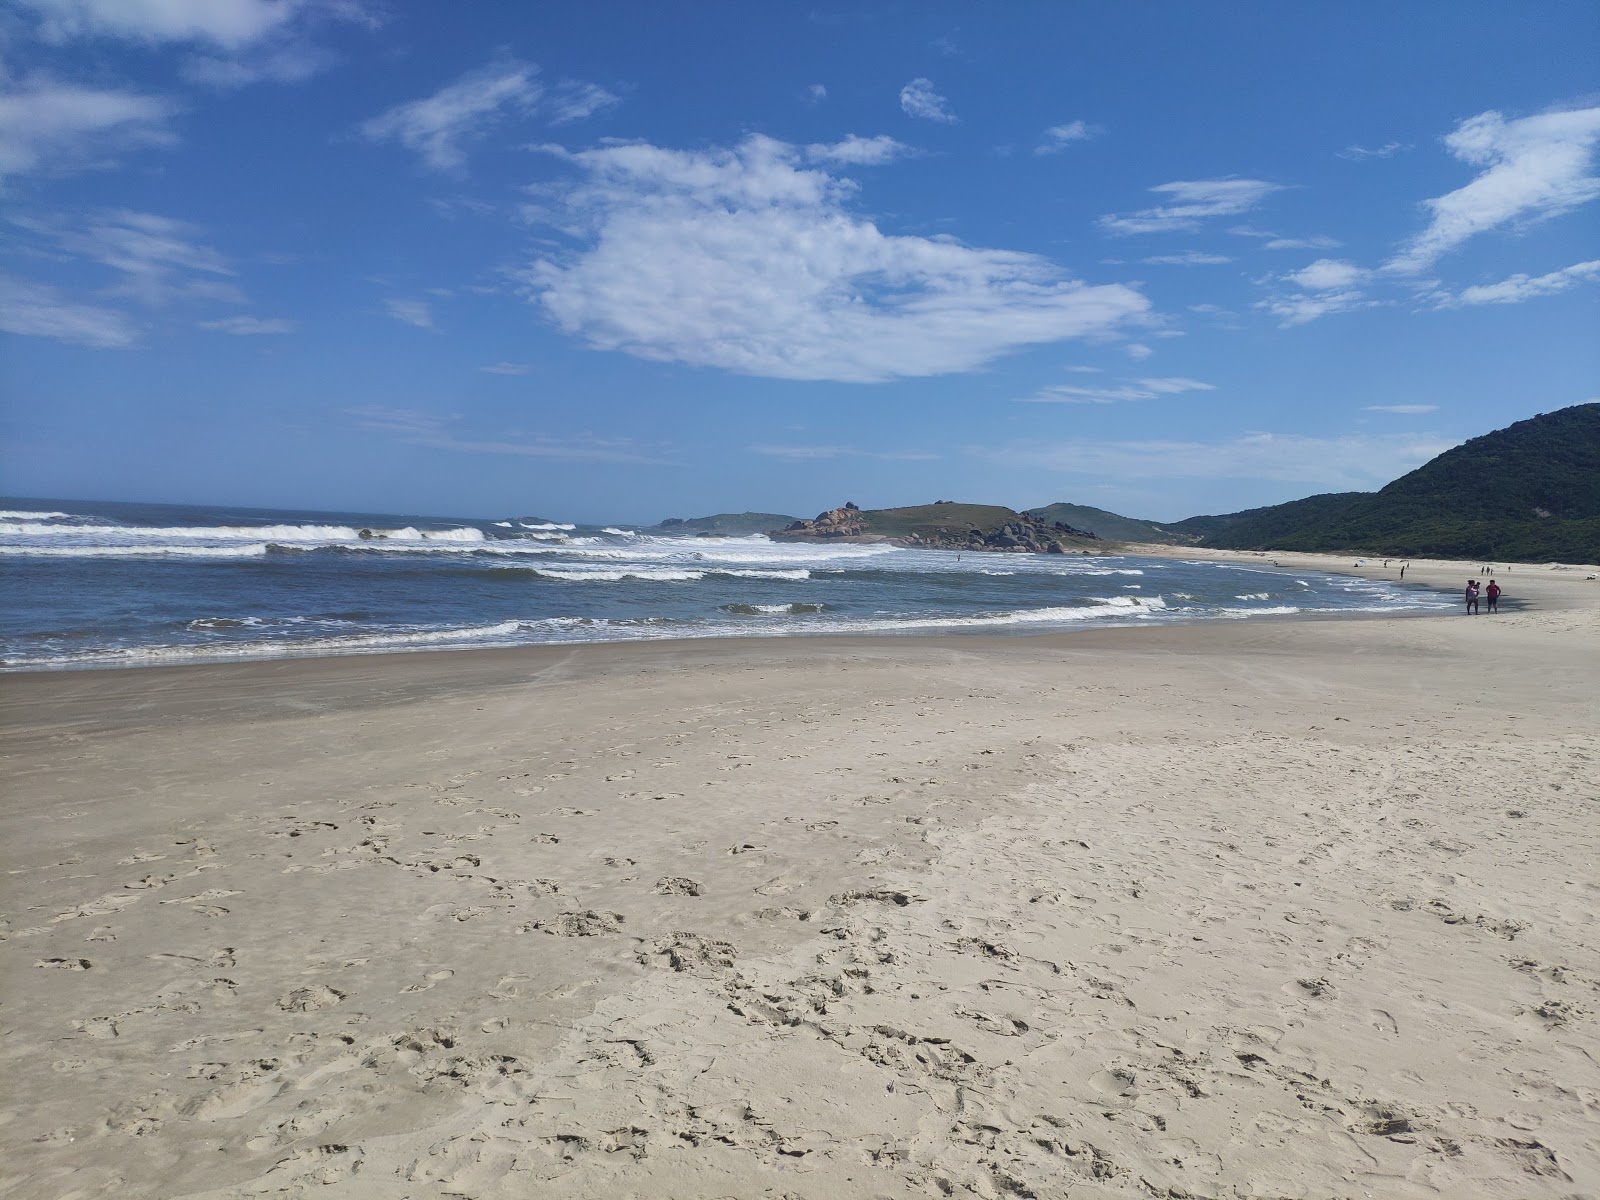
91, 584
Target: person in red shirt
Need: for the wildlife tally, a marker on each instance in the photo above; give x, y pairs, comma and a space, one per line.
1492, 594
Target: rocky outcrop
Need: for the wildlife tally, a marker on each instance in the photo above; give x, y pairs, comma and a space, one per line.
836, 523
1025, 535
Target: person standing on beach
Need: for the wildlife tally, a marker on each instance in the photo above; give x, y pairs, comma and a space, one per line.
1493, 593
1472, 597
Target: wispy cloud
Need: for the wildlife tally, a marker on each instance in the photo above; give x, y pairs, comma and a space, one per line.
918, 99
251, 326
438, 126
1402, 409
1058, 137
291, 63
1138, 389
157, 260
573, 100
411, 312
1354, 462
812, 453
1275, 241
1137, 351
36, 310
1328, 285
49, 125
1190, 203
816, 94
1532, 169
749, 260
435, 431
1387, 150
227, 23
1189, 258
856, 151
1518, 288
1294, 310
1327, 274
506, 368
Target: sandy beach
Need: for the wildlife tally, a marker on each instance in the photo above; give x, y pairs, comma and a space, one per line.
1267, 908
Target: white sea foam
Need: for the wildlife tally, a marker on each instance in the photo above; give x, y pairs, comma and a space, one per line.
502, 632
224, 533
1254, 596
501, 524
258, 550
7, 514
548, 525
643, 574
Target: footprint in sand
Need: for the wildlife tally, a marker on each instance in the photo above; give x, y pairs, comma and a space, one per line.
429, 980
676, 885
65, 964
310, 999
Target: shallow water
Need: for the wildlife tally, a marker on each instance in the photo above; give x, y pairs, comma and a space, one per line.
93, 584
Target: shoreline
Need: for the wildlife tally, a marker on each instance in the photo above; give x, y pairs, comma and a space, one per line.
1288, 907
1437, 579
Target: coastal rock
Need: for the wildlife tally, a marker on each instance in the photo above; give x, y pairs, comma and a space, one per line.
835, 523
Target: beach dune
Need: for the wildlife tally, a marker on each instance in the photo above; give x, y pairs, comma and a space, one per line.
1277, 908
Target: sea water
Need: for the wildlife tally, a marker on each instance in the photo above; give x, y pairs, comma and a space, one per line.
103, 583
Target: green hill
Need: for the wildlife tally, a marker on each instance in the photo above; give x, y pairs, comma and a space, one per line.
1529, 492
944, 525
728, 524
1109, 525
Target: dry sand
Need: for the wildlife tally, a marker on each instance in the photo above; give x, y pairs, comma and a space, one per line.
1276, 908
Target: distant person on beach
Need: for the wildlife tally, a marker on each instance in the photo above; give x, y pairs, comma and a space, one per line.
1472, 596
1493, 593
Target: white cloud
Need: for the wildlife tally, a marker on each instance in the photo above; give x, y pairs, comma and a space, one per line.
436, 126
1139, 389
918, 99
46, 125
506, 368
1518, 288
1387, 150
573, 100
1402, 409
433, 430
1534, 168
816, 93
228, 23
813, 453
1189, 258
1191, 202
1137, 351
1344, 463
858, 151
411, 312
1327, 274
747, 260
36, 310
251, 326
1058, 137
1302, 309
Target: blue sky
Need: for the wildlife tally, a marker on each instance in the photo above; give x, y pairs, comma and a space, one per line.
624, 261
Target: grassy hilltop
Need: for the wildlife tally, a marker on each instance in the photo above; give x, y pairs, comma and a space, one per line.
944, 525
